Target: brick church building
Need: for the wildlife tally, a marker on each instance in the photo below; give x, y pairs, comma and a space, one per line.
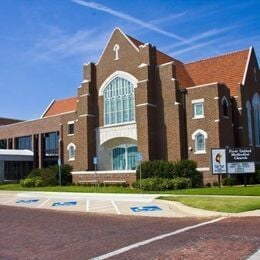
138, 99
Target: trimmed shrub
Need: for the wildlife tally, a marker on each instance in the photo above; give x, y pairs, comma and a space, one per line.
156, 169
187, 169
162, 184
32, 182
171, 170
48, 177
255, 177
35, 173
230, 181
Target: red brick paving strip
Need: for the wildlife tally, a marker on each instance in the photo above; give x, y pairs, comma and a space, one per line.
44, 234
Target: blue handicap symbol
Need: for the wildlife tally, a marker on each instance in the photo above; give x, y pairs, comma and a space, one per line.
66, 203
145, 208
27, 201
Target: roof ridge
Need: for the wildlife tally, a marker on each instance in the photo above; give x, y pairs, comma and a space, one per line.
64, 99
219, 56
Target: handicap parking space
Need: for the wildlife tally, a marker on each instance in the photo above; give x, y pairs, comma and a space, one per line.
136, 205
65, 204
152, 208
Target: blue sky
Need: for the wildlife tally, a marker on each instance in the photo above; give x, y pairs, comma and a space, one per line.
44, 43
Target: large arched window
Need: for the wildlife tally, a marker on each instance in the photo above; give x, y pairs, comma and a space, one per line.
200, 136
124, 157
119, 103
71, 149
256, 107
249, 123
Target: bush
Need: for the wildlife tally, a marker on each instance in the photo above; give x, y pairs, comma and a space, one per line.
32, 182
215, 184
162, 184
35, 173
155, 169
48, 177
230, 181
255, 177
187, 169
171, 170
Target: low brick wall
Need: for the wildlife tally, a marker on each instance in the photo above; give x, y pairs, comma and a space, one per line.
101, 176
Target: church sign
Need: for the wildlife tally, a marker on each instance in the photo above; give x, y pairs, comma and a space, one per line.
240, 160
233, 160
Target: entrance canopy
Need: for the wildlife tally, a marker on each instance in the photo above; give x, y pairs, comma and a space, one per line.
16, 155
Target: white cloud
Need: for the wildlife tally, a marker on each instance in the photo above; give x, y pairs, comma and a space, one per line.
198, 37
196, 46
58, 44
129, 18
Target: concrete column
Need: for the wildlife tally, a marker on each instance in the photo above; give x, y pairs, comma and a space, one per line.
40, 151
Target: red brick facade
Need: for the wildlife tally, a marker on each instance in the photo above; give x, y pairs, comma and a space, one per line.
166, 92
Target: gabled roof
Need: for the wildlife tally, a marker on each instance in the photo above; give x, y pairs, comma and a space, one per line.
228, 68
61, 106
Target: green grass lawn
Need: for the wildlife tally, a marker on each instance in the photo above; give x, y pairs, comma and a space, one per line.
236, 190
72, 188
222, 204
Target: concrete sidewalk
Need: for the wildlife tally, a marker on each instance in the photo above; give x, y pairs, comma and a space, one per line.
124, 204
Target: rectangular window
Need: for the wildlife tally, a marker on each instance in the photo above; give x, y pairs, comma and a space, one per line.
198, 108
24, 142
70, 128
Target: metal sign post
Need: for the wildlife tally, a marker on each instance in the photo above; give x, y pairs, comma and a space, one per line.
140, 158
59, 165
95, 164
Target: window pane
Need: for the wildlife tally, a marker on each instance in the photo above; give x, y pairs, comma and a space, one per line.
119, 158
200, 146
119, 102
132, 158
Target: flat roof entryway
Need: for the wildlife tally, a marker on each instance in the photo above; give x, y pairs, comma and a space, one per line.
15, 164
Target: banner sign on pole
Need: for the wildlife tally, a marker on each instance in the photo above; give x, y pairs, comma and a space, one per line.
218, 159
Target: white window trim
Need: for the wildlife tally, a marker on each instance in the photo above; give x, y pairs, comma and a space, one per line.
194, 102
68, 149
205, 134
114, 75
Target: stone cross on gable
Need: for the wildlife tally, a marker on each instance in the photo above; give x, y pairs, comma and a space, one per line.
116, 50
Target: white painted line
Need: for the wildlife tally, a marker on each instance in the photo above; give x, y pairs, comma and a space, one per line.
105, 209
87, 206
153, 239
11, 200
43, 203
102, 207
115, 206
255, 256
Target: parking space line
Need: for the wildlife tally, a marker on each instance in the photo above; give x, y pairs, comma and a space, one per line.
115, 206
43, 203
87, 206
11, 200
101, 207
153, 239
